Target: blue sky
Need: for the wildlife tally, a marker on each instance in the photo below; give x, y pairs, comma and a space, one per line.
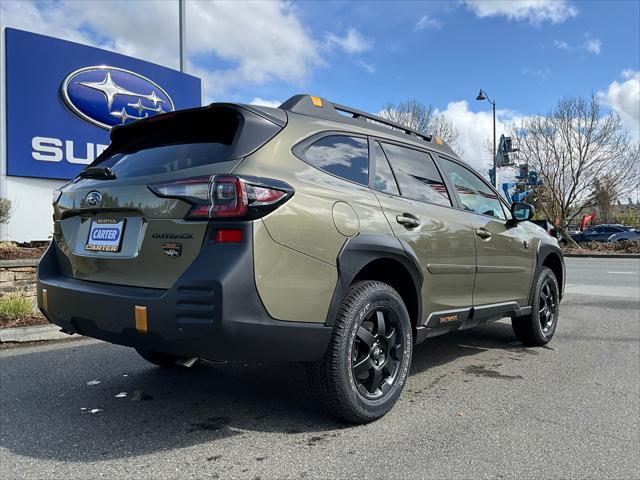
527, 54
523, 64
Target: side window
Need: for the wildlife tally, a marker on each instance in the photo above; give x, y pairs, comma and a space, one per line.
342, 156
417, 175
383, 179
475, 195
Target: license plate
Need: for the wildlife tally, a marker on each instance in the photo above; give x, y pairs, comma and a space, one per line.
105, 235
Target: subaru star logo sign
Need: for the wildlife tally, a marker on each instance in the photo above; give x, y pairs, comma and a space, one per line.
93, 199
108, 96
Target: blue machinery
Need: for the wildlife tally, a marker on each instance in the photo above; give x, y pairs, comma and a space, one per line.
526, 179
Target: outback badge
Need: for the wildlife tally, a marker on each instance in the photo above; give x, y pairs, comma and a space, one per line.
172, 249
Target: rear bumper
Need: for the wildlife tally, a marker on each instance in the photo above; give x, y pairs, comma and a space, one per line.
212, 311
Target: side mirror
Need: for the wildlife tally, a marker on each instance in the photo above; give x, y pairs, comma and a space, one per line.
522, 212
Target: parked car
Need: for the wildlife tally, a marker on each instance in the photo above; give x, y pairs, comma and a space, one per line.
312, 232
631, 234
604, 233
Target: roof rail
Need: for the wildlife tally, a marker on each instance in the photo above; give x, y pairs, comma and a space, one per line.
319, 107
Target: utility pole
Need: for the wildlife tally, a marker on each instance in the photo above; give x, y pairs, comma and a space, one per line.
483, 96
182, 33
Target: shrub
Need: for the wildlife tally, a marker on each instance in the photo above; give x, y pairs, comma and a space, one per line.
5, 210
15, 306
621, 246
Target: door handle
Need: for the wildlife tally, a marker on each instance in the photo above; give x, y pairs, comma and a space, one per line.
483, 234
408, 220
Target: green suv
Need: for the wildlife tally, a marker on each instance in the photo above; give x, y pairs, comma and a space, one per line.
312, 232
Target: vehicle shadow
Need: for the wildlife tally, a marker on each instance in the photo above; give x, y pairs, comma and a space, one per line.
46, 403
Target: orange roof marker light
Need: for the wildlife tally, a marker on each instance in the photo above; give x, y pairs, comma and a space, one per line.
439, 141
317, 101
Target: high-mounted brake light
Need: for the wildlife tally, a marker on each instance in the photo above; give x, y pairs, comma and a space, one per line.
226, 196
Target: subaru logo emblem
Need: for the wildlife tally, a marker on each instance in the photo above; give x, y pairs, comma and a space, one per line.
93, 199
108, 96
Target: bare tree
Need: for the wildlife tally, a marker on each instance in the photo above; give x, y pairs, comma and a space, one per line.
604, 197
419, 116
574, 147
5, 210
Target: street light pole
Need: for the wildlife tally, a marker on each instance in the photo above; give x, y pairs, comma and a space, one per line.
483, 96
182, 34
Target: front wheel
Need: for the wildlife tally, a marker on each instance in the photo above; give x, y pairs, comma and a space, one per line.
367, 361
538, 328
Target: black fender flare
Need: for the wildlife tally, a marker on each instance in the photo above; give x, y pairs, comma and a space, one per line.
544, 250
357, 252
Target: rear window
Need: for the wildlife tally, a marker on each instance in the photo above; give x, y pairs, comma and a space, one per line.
340, 155
186, 140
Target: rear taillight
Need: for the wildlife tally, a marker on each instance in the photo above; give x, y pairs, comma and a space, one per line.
226, 196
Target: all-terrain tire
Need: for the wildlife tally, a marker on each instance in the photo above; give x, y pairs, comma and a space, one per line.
538, 328
372, 332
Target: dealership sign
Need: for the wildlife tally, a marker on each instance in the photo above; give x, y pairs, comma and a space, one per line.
62, 99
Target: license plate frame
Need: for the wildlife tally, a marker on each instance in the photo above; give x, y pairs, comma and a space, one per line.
111, 230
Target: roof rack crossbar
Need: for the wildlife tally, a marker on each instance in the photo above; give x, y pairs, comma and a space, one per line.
358, 114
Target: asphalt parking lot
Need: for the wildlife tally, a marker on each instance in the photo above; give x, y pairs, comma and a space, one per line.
477, 404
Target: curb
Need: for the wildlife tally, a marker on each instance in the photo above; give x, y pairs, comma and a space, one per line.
37, 333
602, 255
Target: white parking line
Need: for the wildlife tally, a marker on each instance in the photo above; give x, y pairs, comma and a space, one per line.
624, 273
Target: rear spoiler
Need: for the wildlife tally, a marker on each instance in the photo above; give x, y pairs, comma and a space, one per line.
265, 123
123, 133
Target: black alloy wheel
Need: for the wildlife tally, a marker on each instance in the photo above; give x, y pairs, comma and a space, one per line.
377, 353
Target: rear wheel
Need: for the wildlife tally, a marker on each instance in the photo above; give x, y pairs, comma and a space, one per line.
368, 358
164, 360
538, 328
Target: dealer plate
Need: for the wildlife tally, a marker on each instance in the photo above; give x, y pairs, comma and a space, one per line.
105, 235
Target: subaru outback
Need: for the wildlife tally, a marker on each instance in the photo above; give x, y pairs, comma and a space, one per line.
312, 232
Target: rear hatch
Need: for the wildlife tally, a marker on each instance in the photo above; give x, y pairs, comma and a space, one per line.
113, 226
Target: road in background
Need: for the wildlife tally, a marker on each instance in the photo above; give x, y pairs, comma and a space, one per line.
477, 404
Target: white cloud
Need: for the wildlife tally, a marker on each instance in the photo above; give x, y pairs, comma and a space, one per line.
352, 42
426, 22
367, 66
593, 45
475, 129
541, 73
534, 11
258, 41
624, 98
265, 103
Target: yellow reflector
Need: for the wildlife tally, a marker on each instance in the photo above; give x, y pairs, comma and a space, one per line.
45, 299
317, 101
439, 141
141, 319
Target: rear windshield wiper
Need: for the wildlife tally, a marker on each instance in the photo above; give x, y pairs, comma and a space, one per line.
97, 172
